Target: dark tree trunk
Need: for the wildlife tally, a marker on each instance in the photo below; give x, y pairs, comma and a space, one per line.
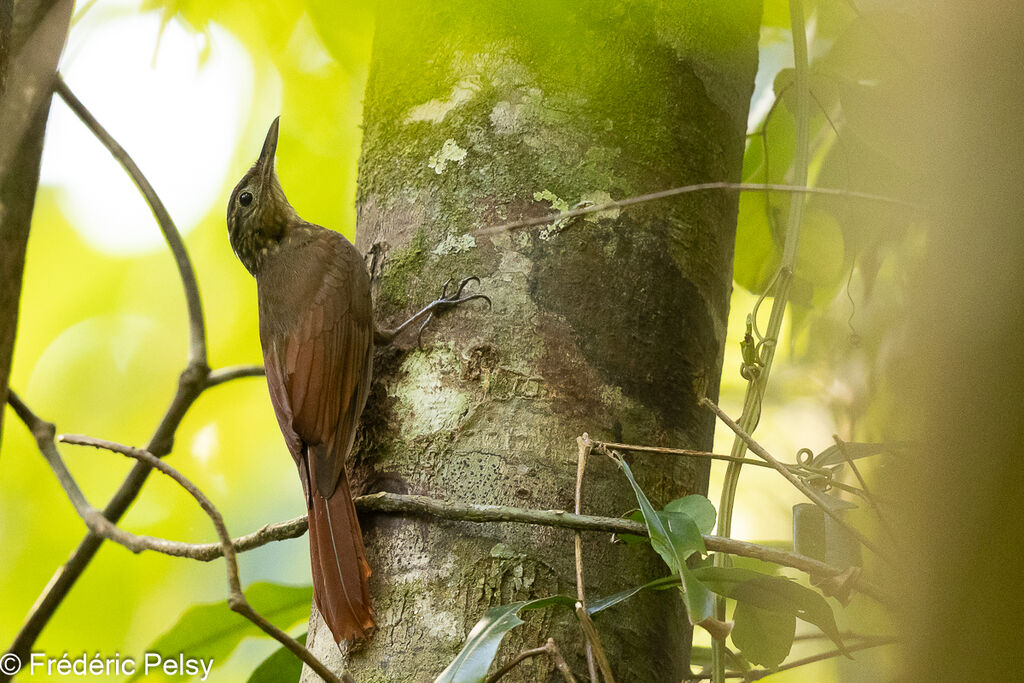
32, 34
608, 325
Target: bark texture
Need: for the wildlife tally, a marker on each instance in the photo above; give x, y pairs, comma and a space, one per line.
32, 34
476, 115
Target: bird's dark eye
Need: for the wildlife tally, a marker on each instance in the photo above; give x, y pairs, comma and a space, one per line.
245, 199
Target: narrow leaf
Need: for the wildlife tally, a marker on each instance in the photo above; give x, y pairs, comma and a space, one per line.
833, 455
476, 656
675, 536
601, 604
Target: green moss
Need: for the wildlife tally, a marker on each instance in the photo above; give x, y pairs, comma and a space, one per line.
400, 267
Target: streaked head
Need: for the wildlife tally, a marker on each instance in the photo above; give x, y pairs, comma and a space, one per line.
258, 212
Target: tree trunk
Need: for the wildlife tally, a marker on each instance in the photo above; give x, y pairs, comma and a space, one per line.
32, 34
610, 324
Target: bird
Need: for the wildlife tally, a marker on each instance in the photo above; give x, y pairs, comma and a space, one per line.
317, 333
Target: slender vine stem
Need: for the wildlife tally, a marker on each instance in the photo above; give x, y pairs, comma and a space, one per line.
783, 284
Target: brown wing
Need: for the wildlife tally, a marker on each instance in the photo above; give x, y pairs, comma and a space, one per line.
316, 326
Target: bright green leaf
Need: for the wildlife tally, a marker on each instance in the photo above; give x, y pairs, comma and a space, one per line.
280, 667
213, 631
764, 637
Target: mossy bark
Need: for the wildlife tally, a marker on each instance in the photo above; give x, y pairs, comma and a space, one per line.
476, 115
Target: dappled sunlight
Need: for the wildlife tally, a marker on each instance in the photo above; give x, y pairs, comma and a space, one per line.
175, 104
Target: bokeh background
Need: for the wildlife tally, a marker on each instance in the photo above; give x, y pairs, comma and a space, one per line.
188, 88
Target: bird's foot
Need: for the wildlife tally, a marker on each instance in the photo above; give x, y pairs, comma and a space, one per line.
445, 303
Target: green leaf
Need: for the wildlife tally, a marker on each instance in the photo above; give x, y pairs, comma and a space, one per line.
213, 631
601, 604
764, 637
675, 536
476, 656
282, 666
699, 508
632, 539
772, 593
855, 450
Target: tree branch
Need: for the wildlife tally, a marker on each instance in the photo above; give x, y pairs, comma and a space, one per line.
837, 581
603, 447
584, 447
403, 504
236, 598
758, 674
32, 36
686, 189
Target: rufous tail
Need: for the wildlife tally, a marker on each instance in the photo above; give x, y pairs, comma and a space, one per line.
341, 574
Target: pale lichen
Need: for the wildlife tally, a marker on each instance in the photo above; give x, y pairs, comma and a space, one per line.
434, 111
429, 404
450, 151
455, 244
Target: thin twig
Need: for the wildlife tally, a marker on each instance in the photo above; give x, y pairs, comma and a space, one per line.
235, 372
584, 447
782, 284
587, 625
866, 492
236, 598
550, 649
791, 478
677, 451
686, 189
197, 346
868, 643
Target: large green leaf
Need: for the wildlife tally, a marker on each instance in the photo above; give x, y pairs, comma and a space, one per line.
675, 536
698, 508
214, 631
774, 594
476, 656
282, 666
764, 637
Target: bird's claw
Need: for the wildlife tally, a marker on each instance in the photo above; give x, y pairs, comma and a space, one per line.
446, 302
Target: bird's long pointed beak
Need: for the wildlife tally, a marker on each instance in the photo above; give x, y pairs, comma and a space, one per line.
266, 161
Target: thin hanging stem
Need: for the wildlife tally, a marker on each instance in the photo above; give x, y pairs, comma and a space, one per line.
783, 284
